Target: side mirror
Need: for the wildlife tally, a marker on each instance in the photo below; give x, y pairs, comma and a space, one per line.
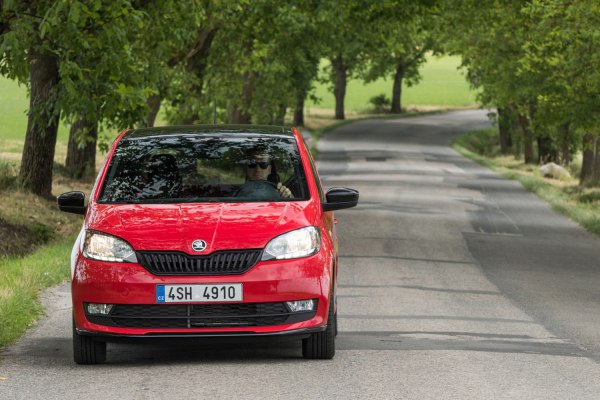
72, 202
340, 198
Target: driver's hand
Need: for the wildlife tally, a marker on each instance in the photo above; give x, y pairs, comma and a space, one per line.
284, 191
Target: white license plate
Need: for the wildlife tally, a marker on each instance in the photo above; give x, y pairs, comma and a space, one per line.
199, 293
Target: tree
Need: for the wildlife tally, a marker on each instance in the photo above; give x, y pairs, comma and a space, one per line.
491, 46
253, 70
564, 48
346, 35
175, 47
58, 49
165, 35
402, 41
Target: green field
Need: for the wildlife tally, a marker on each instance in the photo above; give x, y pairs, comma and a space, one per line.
14, 103
442, 85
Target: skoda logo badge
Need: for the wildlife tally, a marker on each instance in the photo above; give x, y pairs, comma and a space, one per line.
198, 245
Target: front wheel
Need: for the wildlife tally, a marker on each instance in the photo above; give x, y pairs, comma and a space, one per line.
321, 345
86, 350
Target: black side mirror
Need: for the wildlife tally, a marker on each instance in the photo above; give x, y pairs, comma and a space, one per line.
72, 202
340, 198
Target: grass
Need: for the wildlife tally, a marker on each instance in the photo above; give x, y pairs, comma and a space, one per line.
35, 247
580, 204
442, 85
21, 283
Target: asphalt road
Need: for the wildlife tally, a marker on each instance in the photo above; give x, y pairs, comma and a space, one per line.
454, 284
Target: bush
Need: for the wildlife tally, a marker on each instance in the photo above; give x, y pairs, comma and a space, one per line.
380, 102
8, 175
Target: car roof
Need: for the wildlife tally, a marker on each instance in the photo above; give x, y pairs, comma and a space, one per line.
185, 130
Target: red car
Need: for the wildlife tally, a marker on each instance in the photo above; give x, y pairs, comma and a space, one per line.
206, 231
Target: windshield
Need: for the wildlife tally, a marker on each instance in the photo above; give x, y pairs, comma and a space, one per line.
199, 168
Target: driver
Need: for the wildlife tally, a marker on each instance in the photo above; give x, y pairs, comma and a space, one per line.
260, 169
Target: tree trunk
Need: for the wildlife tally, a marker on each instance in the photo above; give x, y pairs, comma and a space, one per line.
339, 89
280, 115
42, 125
514, 128
240, 114
299, 110
527, 139
81, 151
154, 106
195, 59
565, 151
596, 168
545, 151
504, 129
397, 89
589, 157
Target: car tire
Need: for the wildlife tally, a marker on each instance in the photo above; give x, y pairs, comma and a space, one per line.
321, 345
335, 317
86, 350
335, 322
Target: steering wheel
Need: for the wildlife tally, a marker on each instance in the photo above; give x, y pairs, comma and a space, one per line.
260, 189
293, 183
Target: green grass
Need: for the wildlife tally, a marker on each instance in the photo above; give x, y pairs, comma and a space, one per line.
14, 102
13, 106
21, 283
442, 85
582, 205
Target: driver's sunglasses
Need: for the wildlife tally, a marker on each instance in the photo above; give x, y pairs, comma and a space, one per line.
262, 164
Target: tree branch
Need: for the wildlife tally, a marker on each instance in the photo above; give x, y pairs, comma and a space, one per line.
204, 35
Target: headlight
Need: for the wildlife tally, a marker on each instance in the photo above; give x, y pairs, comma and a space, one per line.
295, 244
99, 246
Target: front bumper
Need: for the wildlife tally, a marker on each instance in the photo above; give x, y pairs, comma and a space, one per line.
267, 282
209, 337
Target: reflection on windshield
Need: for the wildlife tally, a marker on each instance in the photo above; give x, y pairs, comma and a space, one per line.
207, 168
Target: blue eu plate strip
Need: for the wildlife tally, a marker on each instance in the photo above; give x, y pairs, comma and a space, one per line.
160, 293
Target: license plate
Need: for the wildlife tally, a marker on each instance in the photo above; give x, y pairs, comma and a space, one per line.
199, 293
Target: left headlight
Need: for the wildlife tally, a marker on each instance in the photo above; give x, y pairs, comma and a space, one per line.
102, 247
295, 244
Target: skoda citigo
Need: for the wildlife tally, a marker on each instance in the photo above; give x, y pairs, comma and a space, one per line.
206, 231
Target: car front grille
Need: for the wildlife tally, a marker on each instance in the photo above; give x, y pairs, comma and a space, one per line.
199, 315
229, 262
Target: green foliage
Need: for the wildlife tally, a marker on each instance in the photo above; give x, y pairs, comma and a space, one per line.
563, 47
99, 78
380, 102
400, 42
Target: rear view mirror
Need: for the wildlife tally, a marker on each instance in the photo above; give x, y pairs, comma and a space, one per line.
72, 202
340, 198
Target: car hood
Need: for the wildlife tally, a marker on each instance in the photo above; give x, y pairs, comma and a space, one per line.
222, 226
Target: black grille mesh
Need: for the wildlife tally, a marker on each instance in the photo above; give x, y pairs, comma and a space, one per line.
199, 315
228, 262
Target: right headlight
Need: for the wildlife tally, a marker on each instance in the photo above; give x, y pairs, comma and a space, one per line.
103, 247
295, 244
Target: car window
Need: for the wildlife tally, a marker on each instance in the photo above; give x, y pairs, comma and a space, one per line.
196, 168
